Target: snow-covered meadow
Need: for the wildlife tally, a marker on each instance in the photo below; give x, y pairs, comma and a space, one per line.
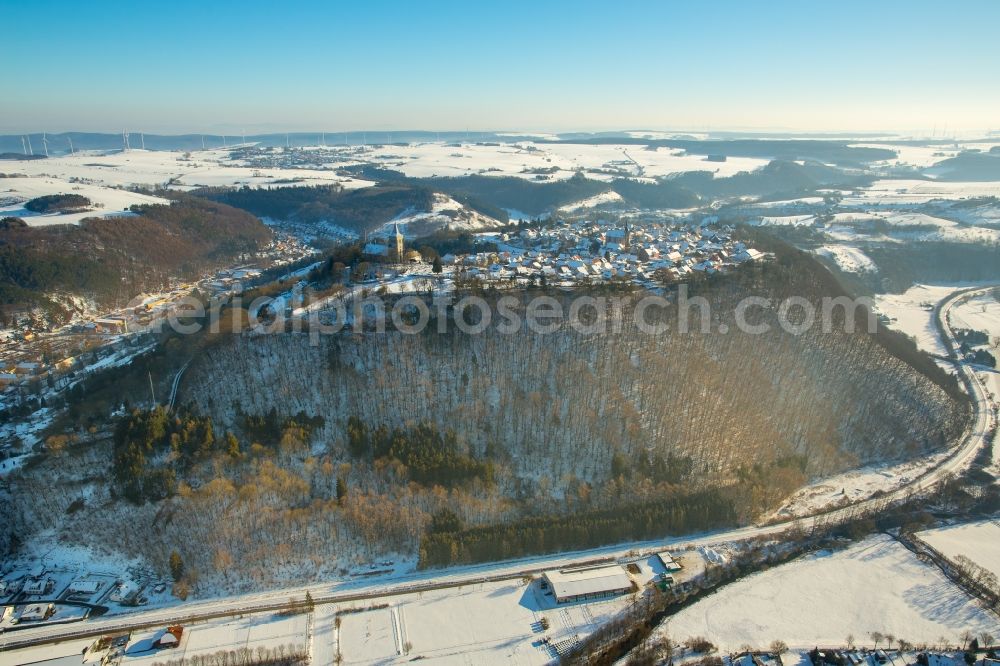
912, 312
107, 179
979, 541
555, 161
876, 585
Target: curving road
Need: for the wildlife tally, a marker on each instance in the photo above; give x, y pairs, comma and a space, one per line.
176, 383
344, 591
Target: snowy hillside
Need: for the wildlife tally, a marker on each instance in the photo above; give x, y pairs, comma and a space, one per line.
445, 214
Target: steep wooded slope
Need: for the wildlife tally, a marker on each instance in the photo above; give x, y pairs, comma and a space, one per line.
564, 403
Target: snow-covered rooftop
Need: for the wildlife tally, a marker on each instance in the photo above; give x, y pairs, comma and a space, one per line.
573, 583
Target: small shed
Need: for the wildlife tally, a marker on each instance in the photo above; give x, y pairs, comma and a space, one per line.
170, 638
669, 563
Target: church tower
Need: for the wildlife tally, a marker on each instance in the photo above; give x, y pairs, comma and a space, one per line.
399, 242
628, 235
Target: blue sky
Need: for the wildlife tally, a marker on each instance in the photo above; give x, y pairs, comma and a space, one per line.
276, 66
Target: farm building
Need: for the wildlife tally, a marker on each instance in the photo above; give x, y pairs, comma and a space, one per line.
38, 586
37, 612
84, 587
585, 584
668, 562
170, 638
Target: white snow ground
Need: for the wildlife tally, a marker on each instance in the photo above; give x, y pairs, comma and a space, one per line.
107, 201
104, 176
528, 159
912, 312
855, 485
875, 585
979, 541
849, 259
269, 631
918, 192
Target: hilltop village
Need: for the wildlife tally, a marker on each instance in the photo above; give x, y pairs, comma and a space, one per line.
645, 251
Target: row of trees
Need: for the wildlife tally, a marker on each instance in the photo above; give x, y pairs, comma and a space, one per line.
548, 534
281, 655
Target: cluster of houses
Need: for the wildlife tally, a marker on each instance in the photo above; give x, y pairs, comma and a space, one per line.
33, 362
16, 372
643, 252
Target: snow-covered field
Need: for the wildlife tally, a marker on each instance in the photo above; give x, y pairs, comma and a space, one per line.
855, 485
979, 541
106, 201
268, 631
165, 168
912, 312
66, 653
939, 229
918, 192
915, 156
103, 178
489, 623
848, 259
875, 585
591, 202
979, 313
527, 159
445, 213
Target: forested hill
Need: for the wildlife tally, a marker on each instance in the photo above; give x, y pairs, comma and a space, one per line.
725, 424
359, 210
113, 259
292, 456
367, 208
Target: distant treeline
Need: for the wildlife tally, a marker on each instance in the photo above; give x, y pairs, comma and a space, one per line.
359, 210
832, 152
367, 208
970, 166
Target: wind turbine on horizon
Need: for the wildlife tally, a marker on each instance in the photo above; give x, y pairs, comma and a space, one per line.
45, 144
24, 146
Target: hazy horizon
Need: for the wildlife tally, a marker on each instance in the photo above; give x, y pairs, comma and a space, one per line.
187, 68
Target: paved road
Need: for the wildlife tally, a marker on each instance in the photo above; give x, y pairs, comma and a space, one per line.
354, 590
175, 384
